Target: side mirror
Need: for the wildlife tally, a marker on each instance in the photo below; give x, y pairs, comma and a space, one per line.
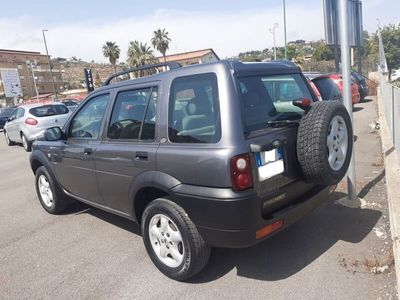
53, 134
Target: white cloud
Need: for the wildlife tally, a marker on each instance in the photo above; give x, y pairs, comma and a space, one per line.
226, 32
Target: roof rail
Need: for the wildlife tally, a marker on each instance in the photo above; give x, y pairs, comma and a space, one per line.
171, 64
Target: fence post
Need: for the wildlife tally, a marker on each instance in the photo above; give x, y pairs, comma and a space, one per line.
393, 120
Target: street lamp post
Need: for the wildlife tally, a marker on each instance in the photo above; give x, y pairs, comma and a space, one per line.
272, 30
284, 26
48, 59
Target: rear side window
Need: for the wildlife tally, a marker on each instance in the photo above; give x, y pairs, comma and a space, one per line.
134, 115
194, 115
267, 98
327, 88
49, 110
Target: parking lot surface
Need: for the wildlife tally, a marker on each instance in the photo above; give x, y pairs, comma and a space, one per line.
334, 253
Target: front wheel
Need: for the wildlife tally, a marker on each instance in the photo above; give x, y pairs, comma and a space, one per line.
172, 240
8, 141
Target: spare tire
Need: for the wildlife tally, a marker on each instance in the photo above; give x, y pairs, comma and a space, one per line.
325, 142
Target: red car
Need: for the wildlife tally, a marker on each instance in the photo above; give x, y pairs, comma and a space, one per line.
355, 95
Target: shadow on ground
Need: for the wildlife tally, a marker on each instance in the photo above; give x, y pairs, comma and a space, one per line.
366, 100
357, 108
284, 254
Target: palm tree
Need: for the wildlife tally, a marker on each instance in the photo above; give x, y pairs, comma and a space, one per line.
111, 51
160, 41
140, 54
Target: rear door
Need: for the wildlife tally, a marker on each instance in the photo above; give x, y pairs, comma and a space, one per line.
271, 124
129, 147
74, 159
14, 127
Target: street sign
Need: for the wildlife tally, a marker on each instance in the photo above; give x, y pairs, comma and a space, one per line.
89, 80
331, 20
11, 83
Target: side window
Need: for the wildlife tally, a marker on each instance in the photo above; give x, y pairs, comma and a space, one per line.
87, 122
194, 115
134, 115
20, 112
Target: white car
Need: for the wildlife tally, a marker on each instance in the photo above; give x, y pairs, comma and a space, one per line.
28, 122
395, 75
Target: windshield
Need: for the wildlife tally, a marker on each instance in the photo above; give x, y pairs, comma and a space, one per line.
269, 98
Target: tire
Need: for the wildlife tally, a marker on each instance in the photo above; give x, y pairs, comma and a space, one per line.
58, 202
8, 141
25, 143
325, 143
193, 253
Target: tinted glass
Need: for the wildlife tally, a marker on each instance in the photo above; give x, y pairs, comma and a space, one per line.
49, 110
87, 122
267, 98
134, 115
194, 110
20, 112
5, 112
327, 88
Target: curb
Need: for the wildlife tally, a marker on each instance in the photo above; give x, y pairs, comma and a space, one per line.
392, 176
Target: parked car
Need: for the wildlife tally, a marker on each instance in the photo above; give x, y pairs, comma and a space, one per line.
28, 122
355, 95
362, 84
227, 155
4, 114
325, 85
72, 104
395, 75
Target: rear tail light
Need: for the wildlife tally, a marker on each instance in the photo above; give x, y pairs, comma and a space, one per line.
31, 121
241, 172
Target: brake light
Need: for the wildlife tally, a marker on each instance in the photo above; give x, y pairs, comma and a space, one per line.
241, 172
31, 121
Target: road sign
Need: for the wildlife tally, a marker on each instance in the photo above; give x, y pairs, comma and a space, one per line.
89, 80
11, 83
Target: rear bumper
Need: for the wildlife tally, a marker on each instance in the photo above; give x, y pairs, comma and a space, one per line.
230, 220
34, 134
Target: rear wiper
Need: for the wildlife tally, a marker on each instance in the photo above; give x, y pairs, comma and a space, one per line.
283, 122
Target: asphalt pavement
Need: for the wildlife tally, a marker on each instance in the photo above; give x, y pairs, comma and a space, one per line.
336, 252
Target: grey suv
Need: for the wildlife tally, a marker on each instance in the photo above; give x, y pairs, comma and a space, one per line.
222, 154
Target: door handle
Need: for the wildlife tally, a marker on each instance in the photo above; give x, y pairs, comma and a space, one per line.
87, 151
141, 155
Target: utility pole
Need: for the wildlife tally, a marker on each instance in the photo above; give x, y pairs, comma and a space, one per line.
34, 80
284, 26
272, 30
345, 56
48, 59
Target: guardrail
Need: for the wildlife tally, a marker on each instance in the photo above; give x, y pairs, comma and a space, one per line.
390, 96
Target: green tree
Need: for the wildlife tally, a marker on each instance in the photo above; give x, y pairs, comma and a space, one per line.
160, 41
140, 54
111, 51
323, 52
391, 43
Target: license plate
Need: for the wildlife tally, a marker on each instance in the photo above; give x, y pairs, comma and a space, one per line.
269, 163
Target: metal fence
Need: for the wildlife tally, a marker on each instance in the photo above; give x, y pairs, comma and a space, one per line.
390, 95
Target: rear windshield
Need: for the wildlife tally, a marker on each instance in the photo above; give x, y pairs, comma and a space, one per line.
49, 110
327, 88
268, 98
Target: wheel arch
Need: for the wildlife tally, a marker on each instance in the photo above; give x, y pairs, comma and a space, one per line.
149, 186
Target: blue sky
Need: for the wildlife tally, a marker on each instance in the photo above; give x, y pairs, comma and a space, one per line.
79, 28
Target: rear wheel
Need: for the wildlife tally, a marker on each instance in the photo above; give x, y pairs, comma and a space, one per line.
8, 141
25, 143
172, 240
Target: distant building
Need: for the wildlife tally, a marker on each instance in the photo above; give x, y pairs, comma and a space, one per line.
26, 62
192, 57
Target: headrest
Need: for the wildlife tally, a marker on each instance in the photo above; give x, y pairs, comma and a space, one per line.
198, 106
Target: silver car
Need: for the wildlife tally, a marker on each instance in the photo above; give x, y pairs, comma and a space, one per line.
28, 122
